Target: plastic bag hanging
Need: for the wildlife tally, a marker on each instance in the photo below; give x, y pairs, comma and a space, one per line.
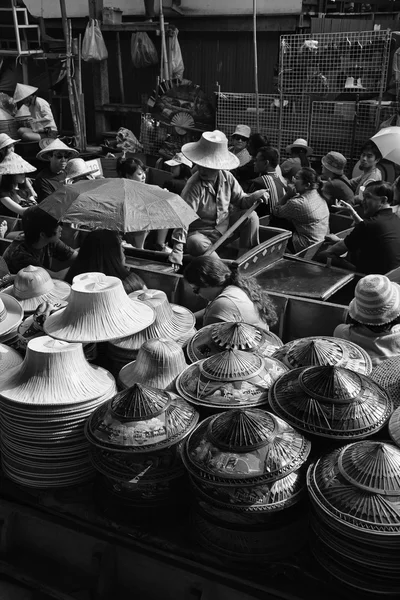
177, 66
93, 46
144, 53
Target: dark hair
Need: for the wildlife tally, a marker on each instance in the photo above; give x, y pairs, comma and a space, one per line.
36, 221
256, 141
184, 172
270, 154
7, 183
310, 177
375, 328
101, 252
209, 271
381, 188
301, 153
369, 146
128, 166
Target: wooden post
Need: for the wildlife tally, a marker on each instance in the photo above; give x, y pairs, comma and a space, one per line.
78, 91
100, 77
164, 64
71, 96
256, 64
120, 72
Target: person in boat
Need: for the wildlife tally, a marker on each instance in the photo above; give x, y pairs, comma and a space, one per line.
216, 197
245, 175
374, 243
336, 185
7, 145
267, 159
304, 211
39, 245
181, 169
298, 152
52, 177
77, 170
369, 159
240, 139
43, 123
102, 252
15, 195
231, 296
373, 320
134, 169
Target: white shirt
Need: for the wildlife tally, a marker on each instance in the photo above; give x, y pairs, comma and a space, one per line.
42, 116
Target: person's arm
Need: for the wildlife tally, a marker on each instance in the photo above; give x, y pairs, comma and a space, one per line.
351, 243
11, 205
288, 209
240, 199
354, 182
191, 194
64, 254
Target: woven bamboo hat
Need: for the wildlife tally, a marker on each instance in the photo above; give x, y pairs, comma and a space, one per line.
13, 164
23, 91
6, 140
76, 167
211, 151
98, 310
9, 358
387, 375
53, 145
171, 321
33, 285
11, 314
158, 364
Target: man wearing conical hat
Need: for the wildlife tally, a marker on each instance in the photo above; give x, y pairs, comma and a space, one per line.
53, 176
216, 197
43, 122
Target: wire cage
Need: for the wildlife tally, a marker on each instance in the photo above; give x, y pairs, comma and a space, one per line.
334, 63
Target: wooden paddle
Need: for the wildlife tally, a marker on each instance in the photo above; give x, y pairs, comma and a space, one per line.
231, 229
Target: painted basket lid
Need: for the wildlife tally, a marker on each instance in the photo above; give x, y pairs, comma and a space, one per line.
244, 447
331, 402
324, 351
230, 378
219, 337
141, 419
359, 485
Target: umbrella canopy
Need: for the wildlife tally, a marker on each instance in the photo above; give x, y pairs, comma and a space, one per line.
120, 204
388, 142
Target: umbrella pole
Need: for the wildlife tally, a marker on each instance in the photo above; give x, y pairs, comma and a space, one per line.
256, 64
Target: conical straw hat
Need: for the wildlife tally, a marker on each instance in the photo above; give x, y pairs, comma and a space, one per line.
171, 321
5, 116
158, 364
6, 140
55, 373
53, 146
11, 314
33, 285
98, 310
23, 91
13, 164
9, 358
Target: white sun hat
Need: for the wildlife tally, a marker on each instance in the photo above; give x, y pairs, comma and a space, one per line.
211, 151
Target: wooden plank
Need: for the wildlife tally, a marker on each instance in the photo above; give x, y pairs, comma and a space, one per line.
136, 26
118, 108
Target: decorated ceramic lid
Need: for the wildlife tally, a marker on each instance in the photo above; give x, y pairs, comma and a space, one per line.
331, 402
215, 338
244, 447
359, 485
324, 351
230, 378
141, 419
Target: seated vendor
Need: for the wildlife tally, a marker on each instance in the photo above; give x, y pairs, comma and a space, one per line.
39, 245
240, 140
49, 179
43, 123
216, 197
336, 185
267, 160
373, 320
374, 243
369, 159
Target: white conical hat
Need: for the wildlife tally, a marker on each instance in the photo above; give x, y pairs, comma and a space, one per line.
211, 151
99, 310
14, 164
33, 285
53, 146
55, 373
23, 91
5, 116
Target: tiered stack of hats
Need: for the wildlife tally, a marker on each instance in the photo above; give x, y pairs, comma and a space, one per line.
331, 402
158, 364
11, 315
355, 520
324, 351
233, 378
247, 470
44, 405
135, 445
172, 321
216, 338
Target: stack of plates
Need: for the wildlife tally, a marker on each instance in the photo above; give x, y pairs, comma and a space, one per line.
135, 444
216, 338
45, 403
355, 520
245, 467
331, 402
230, 379
324, 351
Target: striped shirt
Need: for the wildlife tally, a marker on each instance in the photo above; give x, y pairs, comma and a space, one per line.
273, 184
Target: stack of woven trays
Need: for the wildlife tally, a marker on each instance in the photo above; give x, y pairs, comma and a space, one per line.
247, 470
355, 518
45, 403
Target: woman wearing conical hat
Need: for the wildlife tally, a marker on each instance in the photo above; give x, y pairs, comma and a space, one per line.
15, 195
43, 122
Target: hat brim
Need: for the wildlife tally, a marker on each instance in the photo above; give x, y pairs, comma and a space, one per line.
330, 168
44, 154
308, 149
84, 174
173, 163
9, 143
384, 320
226, 161
15, 314
60, 292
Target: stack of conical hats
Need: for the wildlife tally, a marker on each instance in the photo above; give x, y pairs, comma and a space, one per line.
135, 445
247, 471
355, 519
11, 315
44, 405
8, 124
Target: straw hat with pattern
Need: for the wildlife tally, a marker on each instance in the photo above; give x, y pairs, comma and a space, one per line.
211, 151
14, 164
76, 167
50, 145
33, 285
334, 162
376, 301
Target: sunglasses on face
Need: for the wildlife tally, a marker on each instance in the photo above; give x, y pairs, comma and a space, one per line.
239, 138
62, 155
